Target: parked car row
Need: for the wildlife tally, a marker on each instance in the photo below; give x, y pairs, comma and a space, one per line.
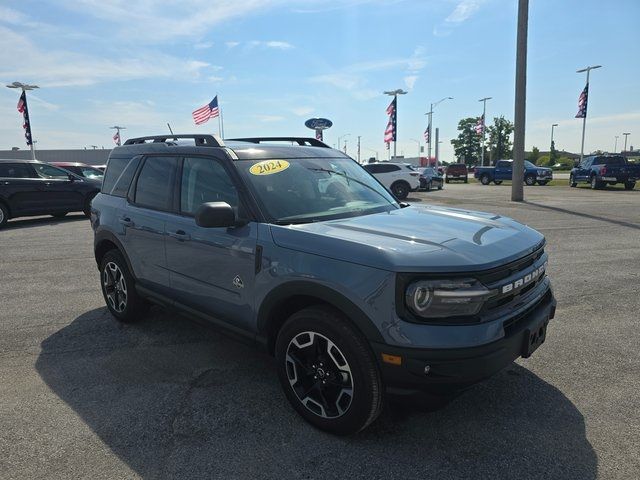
30, 187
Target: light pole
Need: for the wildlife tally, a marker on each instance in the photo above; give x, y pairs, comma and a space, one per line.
519, 114
24, 87
359, 148
584, 118
552, 147
117, 129
484, 121
418, 142
430, 114
625, 140
394, 94
340, 137
615, 145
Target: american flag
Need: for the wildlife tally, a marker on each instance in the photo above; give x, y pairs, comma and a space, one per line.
390, 131
426, 133
116, 138
203, 114
24, 110
479, 127
582, 103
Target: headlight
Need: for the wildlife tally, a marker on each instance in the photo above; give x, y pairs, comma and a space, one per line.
446, 298
540, 172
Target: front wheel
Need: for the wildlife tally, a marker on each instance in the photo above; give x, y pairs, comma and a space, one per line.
485, 180
629, 185
400, 190
4, 215
572, 181
595, 184
530, 180
328, 371
542, 183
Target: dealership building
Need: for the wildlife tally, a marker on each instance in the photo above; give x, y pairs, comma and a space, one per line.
90, 157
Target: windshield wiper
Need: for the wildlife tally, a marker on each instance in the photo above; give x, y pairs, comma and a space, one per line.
329, 171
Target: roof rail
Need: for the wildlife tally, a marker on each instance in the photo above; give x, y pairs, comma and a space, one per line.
200, 140
302, 141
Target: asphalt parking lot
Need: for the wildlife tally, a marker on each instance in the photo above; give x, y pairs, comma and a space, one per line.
82, 396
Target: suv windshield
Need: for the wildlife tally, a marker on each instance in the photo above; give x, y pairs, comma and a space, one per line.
315, 189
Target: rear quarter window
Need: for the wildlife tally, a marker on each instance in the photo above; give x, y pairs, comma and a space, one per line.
118, 176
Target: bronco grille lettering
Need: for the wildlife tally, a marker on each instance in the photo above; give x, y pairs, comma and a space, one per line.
528, 278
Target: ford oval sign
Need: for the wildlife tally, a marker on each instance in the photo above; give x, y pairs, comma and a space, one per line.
318, 123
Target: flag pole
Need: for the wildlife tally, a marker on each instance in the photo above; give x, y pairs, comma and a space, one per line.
584, 118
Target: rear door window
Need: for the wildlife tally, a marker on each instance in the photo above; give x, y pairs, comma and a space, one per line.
15, 170
154, 188
50, 172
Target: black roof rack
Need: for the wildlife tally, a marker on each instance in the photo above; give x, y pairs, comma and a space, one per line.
200, 140
302, 141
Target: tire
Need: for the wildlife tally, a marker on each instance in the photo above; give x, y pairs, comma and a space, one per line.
118, 289
4, 215
59, 214
440, 186
446, 180
572, 182
629, 185
428, 188
542, 183
303, 362
484, 179
595, 184
530, 180
497, 182
400, 190
466, 179
87, 205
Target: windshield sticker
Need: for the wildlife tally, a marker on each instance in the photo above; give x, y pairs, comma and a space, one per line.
269, 167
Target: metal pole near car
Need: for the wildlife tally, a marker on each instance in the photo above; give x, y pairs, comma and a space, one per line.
625, 140
25, 87
584, 118
517, 184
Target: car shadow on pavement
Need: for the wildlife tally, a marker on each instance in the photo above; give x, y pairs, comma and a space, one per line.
612, 221
174, 399
28, 222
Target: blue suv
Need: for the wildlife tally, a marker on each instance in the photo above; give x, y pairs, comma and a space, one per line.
293, 246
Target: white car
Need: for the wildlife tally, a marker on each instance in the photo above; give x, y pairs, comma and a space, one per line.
399, 178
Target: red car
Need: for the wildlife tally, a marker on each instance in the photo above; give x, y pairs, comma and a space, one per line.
80, 169
457, 171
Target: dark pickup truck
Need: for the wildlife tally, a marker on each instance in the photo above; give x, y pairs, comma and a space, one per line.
600, 170
503, 170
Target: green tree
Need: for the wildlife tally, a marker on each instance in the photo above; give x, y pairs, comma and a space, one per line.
500, 138
534, 155
467, 145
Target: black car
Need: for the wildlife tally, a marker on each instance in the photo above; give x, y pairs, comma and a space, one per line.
429, 178
29, 188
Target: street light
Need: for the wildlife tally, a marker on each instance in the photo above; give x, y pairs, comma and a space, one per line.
430, 127
484, 121
625, 140
24, 87
117, 129
394, 94
584, 118
341, 137
615, 145
552, 147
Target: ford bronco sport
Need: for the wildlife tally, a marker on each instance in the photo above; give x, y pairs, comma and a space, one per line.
297, 248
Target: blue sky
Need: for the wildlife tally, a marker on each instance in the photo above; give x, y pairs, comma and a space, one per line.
275, 63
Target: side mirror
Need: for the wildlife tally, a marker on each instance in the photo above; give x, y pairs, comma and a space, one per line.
215, 214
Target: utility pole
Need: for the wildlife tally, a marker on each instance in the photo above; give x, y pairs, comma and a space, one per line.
615, 145
437, 147
517, 187
345, 146
584, 118
484, 122
359, 148
552, 146
25, 112
430, 127
394, 94
625, 140
117, 129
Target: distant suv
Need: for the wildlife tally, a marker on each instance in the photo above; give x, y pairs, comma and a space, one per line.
81, 169
456, 171
298, 249
399, 178
29, 188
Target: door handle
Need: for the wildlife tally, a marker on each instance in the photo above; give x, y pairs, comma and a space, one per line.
180, 235
126, 221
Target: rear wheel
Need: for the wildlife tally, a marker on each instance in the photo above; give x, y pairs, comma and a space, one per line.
629, 185
543, 182
428, 187
4, 215
466, 179
572, 181
119, 290
59, 214
328, 371
595, 184
446, 180
497, 182
484, 179
400, 190
530, 180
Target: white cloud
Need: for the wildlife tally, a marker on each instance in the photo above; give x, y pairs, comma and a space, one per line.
463, 11
20, 58
231, 44
302, 111
215, 79
278, 44
268, 118
410, 81
202, 45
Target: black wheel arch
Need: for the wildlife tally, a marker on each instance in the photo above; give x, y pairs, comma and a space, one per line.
106, 241
290, 297
5, 204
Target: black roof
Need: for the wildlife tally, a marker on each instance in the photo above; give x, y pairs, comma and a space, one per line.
254, 148
17, 160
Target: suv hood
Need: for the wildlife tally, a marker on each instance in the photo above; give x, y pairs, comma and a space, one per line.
415, 239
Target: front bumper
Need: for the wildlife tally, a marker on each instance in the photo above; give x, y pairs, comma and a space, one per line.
450, 370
